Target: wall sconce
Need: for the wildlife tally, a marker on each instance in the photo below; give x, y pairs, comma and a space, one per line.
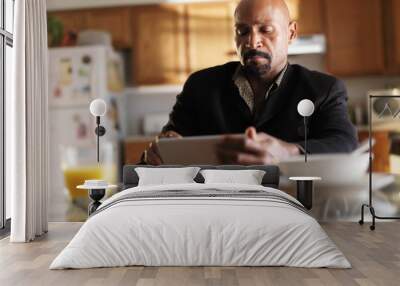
98, 108
305, 108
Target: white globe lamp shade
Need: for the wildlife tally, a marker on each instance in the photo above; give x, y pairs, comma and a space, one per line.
98, 107
305, 107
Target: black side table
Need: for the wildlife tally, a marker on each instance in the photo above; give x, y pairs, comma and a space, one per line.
305, 190
97, 190
96, 195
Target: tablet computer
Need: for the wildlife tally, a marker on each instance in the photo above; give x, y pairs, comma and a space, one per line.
196, 150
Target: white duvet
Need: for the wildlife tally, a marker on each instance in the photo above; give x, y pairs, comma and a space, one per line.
203, 231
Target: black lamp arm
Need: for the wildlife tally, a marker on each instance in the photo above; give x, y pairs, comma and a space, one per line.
100, 131
305, 138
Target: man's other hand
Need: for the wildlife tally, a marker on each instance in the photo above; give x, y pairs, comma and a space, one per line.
151, 155
254, 149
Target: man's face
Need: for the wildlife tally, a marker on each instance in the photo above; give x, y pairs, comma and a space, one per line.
262, 34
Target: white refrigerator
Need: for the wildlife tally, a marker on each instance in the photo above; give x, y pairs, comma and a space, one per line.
77, 75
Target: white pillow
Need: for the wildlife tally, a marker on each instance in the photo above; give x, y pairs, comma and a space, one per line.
162, 176
248, 177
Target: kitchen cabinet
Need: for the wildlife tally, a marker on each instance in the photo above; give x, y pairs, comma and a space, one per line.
72, 20
392, 35
396, 33
116, 21
308, 14
159, 54
210, 38
355, 37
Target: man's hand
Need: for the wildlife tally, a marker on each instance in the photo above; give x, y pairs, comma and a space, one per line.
152, 155
254, 149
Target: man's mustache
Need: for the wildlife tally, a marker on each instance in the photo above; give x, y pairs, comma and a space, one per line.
253, 53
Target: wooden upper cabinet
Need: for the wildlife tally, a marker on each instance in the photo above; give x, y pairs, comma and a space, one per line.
396, 33
355, 37
392, 35
72, 20
210, 38
116, 21
308, 14
159, 54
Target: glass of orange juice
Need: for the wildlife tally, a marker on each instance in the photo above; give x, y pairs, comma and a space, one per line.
79, 164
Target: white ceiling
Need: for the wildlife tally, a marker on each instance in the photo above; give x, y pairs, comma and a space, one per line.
53, 5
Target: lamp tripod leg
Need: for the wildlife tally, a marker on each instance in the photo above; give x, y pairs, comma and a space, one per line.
372, 210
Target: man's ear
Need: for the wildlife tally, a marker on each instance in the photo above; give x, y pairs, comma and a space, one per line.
292, 31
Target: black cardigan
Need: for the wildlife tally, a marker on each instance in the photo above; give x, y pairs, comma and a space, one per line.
210, 104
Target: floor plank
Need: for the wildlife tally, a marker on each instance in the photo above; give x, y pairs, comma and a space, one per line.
374, 255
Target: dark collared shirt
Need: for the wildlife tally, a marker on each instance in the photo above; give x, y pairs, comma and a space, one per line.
245, 90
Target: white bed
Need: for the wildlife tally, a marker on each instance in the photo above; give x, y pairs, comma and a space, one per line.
224, 225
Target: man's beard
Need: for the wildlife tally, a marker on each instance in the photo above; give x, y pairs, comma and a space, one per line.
253, 68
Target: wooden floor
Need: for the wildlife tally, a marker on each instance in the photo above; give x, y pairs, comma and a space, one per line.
375, 257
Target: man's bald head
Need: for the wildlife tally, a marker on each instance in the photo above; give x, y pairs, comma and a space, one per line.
279, 5
263, 32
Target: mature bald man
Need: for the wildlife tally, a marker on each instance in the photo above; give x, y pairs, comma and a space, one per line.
258, 96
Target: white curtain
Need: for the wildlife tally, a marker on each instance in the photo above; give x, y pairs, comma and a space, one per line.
27, 129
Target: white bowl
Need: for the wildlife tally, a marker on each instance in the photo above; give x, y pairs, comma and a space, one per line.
334, 169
